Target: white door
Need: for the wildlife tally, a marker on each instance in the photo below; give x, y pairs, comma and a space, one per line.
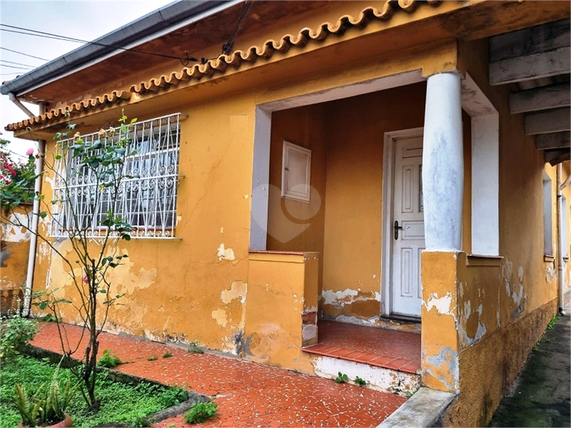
407, 227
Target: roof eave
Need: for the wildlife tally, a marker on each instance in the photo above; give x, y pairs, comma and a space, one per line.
143, 27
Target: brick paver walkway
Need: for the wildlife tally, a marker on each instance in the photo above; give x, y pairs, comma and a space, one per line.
248, 394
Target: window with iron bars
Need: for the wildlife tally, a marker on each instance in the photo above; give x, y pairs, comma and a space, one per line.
146, 198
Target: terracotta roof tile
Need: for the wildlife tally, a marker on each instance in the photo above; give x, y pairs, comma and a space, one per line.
112, 98
252, 54
235, 59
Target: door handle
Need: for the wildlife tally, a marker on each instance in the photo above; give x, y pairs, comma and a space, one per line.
397, 228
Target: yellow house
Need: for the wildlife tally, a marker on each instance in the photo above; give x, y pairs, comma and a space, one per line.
401, 165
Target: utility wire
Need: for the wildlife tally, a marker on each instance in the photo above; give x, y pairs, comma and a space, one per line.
22, 53
43, 34
18, 63
15, 66
14, 153
185, 61
227, 47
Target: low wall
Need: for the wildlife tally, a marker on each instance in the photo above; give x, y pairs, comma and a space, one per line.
475, 337
281, 308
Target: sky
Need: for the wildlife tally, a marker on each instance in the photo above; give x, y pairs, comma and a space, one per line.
82, 19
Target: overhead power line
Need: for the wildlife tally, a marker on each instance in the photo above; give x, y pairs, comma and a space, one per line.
185, 61
18, 63
15, 66
22, 53
46, 35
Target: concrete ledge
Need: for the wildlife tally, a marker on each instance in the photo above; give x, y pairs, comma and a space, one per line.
423, 409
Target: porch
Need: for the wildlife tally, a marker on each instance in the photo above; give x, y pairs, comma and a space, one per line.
372, 180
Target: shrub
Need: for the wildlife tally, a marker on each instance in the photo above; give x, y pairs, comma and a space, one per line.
15, 332
174, 396
109, 360
200, 412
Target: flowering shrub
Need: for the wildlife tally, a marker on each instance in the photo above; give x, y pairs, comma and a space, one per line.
16, 178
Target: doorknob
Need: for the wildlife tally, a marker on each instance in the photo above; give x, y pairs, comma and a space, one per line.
397, 228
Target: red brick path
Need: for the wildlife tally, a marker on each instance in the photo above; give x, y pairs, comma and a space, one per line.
248, 394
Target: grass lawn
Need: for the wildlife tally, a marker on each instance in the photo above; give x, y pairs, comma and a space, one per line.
120, 403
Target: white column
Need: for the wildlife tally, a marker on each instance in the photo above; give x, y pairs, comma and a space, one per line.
443, 163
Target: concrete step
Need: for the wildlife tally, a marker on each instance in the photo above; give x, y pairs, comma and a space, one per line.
399, 378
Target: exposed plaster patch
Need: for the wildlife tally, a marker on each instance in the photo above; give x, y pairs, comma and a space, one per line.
178, 219
221, 230
441, 304
370, 322
515, 291
236, 291
220, 316
309, 332
12, 232
550, 272
442, 364
347, 297
246, 196
225, 253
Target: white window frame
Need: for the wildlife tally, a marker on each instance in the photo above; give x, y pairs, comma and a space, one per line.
564, 230
547, 215
299, 192
147, 199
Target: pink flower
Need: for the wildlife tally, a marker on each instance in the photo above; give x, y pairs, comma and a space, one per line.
30, 152
85, 279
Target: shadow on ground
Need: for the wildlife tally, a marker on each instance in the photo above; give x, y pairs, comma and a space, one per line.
541, 395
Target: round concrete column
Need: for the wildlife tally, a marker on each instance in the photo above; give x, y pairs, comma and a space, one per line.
443, 163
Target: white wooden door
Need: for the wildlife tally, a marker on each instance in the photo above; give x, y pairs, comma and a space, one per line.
407, 227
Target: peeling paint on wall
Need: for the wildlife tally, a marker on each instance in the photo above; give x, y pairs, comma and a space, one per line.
352, 303
225, 253
444, 367
13, 233
348, 296
220, 316
441, 304
514, 289
237, 290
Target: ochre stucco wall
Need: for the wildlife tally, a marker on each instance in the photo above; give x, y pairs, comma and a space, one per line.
295, 225
354, 200
13, 258
502, 305
193, 288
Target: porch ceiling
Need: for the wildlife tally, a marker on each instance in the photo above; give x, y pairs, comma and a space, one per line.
535, 61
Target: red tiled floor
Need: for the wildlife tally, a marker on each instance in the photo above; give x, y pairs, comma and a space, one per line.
392, 349
248, 394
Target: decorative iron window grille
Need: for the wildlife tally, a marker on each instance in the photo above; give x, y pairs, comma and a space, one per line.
146, 199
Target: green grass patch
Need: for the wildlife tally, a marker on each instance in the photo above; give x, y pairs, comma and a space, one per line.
120, 402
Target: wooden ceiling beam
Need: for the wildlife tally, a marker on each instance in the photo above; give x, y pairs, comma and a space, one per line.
556, 140
531, 53
555, 157
544, 98
545, 122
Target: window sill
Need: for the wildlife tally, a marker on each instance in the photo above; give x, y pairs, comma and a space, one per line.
481, 260
548, 258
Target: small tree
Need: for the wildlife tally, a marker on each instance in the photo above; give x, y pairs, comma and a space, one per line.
90, 219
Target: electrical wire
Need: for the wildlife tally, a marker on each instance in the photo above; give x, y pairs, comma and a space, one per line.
185, 61
22, 53
15, 66
14, 153
227, 47
46, 35
18, 63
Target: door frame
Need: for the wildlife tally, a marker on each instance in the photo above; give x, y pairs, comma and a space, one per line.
390, 139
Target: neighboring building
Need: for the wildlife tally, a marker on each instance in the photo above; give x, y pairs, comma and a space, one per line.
311, 171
